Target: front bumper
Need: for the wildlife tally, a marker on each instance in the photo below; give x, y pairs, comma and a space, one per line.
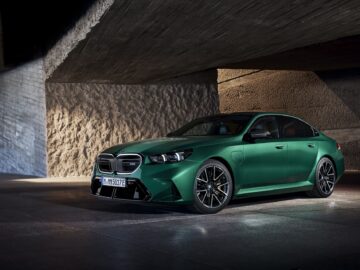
170, 183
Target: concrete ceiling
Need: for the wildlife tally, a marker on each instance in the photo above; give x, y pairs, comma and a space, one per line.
341, 53
149, 40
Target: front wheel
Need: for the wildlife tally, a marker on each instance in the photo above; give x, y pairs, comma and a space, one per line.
325, 179
213, 188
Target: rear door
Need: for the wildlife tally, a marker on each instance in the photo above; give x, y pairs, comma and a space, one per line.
302, 147
264, 159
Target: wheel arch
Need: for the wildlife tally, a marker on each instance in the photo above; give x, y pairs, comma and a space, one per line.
332, 160
228, 166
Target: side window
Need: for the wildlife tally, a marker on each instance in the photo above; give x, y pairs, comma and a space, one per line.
268, 125
293, 128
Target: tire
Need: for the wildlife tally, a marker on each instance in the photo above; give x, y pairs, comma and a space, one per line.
213, 188
325, 179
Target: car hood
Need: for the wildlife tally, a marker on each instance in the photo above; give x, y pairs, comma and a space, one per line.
164, 145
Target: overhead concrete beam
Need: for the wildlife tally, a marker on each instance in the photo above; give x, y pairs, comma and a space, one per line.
58, 53
336, 54
150, 40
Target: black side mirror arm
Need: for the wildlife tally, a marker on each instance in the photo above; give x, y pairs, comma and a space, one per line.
247, 138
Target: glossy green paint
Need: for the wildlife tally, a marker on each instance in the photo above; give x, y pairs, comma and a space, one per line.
260, 167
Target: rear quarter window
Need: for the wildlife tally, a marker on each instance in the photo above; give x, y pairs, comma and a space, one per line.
290, 127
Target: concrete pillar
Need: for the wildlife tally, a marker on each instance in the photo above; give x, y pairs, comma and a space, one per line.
84, 118
1, 46
22, 120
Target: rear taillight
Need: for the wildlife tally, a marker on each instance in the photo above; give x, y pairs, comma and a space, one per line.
338, 147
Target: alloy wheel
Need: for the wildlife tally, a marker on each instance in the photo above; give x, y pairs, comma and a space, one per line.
212, 186
326, 177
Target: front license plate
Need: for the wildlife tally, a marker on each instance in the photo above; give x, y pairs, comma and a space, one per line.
113, 182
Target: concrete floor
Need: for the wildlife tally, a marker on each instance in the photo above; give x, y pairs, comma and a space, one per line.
60, 226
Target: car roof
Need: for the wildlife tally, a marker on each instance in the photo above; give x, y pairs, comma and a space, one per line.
253, 114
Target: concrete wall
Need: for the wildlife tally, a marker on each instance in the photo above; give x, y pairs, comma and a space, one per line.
1, 46
84, 119
22, 120
329, 101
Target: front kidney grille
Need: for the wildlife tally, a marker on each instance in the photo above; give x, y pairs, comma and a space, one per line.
104, 162
123, 163
127, 163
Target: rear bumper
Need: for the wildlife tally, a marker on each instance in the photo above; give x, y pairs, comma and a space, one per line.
170, 183
339, 165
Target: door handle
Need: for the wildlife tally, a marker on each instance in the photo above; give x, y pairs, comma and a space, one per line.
311, 145
280, 146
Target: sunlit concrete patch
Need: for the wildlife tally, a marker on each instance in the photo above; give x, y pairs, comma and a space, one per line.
70, 179
259, 220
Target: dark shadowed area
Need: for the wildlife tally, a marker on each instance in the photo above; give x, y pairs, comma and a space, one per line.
29, 28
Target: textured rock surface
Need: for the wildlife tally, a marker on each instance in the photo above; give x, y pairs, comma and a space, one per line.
83, 119
22, 120
328, 102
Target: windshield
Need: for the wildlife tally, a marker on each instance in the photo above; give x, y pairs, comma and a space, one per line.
214, 126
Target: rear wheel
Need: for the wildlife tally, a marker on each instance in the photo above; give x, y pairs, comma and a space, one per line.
213, 187
325, 179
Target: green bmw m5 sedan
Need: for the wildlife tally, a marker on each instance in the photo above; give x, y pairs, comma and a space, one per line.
214, 159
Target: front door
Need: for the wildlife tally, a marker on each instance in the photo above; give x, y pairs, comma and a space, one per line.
265, 159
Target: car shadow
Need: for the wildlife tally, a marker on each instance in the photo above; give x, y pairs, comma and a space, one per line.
265, 199
80, 197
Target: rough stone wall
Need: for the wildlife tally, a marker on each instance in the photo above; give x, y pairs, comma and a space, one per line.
22, 120
84, 119
330, 103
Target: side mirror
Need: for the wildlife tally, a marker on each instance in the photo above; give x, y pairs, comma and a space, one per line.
256, 134
259, 134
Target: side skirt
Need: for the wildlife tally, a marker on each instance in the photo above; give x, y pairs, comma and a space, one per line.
274, 189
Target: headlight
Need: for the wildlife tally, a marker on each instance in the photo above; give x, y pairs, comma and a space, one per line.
171, 157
